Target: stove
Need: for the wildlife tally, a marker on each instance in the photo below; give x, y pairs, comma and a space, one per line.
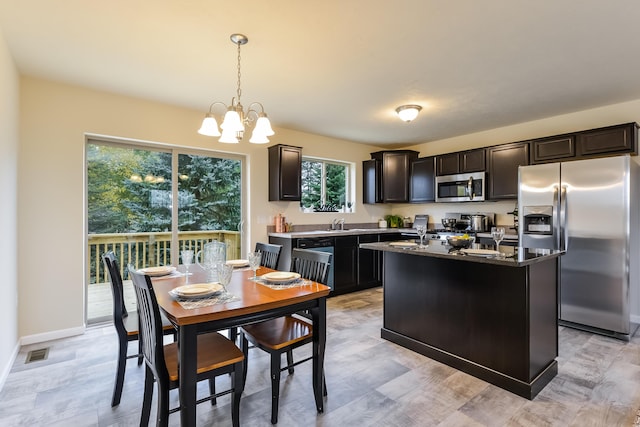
437, 234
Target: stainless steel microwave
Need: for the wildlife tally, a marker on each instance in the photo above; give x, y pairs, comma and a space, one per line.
464, 187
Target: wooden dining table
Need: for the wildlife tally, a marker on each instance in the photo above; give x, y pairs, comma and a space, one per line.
254, 302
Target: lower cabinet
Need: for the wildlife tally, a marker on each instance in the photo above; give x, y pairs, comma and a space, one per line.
354, 269
345, 264
368, 263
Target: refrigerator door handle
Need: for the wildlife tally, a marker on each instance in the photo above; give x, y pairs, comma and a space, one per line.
555, 217
563, 219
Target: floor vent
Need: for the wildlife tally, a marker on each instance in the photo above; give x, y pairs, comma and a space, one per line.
37, 355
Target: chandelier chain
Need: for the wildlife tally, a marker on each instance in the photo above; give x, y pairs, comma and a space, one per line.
239, 75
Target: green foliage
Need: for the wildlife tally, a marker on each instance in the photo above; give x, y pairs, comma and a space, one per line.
394, 221
210, 193
335, 184
311, 184
129, 190
334, 180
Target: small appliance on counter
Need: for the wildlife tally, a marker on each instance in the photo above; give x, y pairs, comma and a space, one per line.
421, 220
478, 222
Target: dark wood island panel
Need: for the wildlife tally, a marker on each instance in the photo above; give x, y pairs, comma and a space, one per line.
496, 322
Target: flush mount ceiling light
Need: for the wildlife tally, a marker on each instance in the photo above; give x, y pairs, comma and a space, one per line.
408, 112
235, 119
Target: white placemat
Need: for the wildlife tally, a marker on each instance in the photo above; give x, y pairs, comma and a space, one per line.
286, 285
191, 303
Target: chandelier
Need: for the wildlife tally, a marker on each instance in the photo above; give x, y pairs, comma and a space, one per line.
235, 118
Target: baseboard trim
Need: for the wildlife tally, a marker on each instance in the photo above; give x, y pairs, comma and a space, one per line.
53, 335
7, 368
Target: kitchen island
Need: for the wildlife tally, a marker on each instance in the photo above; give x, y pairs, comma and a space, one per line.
493, 318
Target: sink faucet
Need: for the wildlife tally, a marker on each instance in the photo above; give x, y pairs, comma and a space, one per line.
337, 222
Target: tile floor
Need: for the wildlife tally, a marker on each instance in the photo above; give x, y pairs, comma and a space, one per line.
371, 382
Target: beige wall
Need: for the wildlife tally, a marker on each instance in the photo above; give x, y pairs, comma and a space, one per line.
54, 120
9, 104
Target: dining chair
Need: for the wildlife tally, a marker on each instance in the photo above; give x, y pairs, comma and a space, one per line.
126, 324
216, 355
283, 334
270, 254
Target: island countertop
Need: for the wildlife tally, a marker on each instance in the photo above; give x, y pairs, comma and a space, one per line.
511, 256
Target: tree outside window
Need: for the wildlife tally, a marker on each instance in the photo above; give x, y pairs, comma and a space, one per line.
325, 185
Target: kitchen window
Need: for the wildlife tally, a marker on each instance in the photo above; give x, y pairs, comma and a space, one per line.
326, 185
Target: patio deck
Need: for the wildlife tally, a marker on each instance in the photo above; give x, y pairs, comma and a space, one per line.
100, 301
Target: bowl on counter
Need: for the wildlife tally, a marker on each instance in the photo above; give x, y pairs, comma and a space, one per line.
460, 242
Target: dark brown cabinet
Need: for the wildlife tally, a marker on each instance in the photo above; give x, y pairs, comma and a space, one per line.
422, 180
553, 149
371, 174
368, 263
386, 176
285, 173
461, 162
345, 264
448, 164
503, 169
608, 140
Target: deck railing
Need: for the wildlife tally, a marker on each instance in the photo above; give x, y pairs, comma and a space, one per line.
151, 249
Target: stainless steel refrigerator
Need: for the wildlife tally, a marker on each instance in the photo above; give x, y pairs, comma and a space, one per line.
590, 208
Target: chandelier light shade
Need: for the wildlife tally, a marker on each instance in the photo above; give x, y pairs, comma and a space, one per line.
236, 120
408, 112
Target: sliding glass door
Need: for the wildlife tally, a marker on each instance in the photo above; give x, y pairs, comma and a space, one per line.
130, 210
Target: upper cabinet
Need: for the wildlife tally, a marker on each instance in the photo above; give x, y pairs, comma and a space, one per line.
609, 140
371, 174
285, 173
553, 149
386, 176
502, 175
606, 141
461, 162
400, 176
422, 180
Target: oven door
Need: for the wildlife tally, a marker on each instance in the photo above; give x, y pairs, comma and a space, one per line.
466, 187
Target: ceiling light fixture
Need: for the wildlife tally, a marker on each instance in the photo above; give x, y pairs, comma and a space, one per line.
408, 112
235, 119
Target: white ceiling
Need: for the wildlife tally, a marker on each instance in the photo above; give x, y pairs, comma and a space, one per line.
340, 67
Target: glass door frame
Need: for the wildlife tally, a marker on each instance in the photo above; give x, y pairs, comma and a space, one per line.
175, 151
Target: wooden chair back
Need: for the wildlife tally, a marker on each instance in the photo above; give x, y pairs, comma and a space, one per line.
270, 254
149, 325
117, 290
312, 265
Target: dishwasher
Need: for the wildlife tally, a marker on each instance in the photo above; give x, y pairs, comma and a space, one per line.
321, 245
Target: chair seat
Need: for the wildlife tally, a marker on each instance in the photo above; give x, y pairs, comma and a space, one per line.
278, 333
214, 352
131, 324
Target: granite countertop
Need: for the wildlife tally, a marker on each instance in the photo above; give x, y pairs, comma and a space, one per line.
513, 256
360, 231
510, 234
345, 232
